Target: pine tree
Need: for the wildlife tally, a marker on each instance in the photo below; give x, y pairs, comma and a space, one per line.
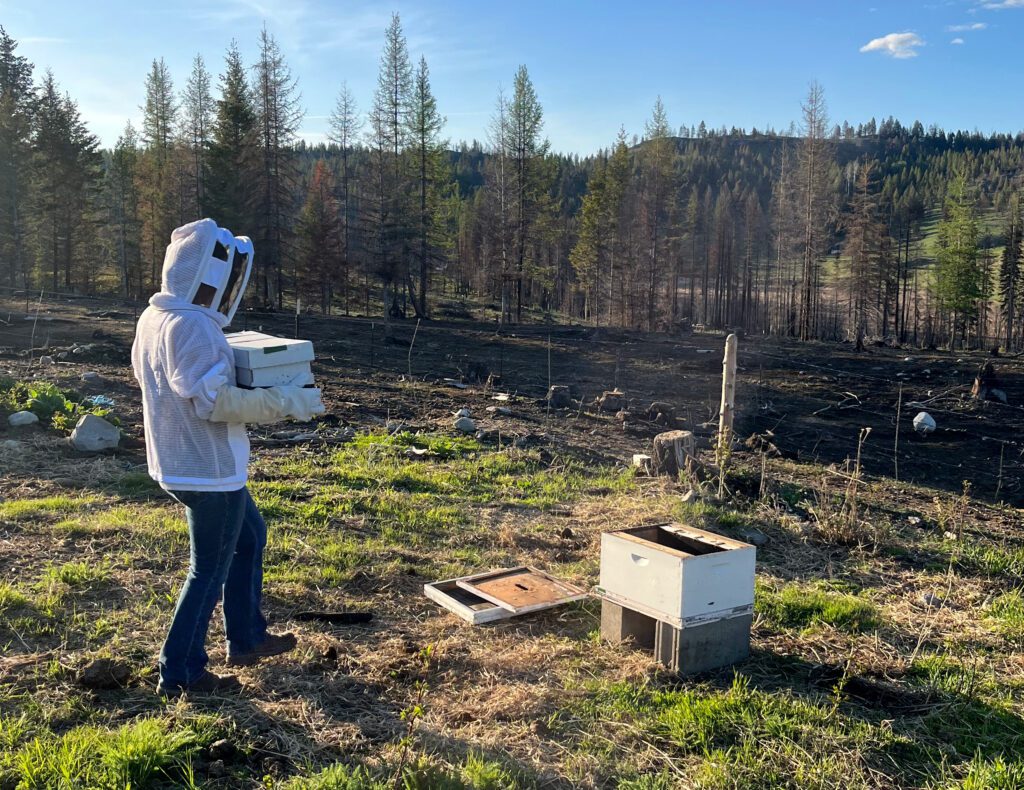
389, 140
530, 176
197, 121
589, 252
123, 206
431, 174
1010, 286
229, 196
814, 160
278, 115
66, 169
864, 251
159, 208
657, 179
344, 131
958, 275
16, 110
319, 240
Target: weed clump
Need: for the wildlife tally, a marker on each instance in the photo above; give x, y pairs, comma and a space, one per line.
56, 407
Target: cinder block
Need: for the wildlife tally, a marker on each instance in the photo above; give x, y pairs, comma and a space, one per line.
619, 624
699, 648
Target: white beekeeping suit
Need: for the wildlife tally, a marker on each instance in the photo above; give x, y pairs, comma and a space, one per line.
194, 414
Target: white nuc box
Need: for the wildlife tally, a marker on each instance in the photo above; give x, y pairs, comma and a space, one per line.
677, 574
686, 593
266, 361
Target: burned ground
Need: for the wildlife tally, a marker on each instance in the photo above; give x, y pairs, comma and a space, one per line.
888, 626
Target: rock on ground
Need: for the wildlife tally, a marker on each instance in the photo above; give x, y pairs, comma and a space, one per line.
22, 418
93, 434
465, 424
105, 673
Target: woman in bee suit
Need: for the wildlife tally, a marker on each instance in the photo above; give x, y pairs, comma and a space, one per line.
198, 450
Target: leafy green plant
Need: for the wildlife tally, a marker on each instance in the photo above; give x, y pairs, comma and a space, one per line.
56, 407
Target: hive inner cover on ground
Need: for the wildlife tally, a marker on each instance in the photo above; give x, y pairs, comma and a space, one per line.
522, 589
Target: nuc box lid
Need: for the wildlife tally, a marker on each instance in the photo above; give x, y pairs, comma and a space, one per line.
257, 350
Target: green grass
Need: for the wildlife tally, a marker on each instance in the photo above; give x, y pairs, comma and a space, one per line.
11, 598
77, 575
475, 773
145, 753
24, 509
741, 737
795, 606
984, 559
1007, 611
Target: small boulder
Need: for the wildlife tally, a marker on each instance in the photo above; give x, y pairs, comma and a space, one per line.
46, 360
90, 376
924, 423
22, 418
94, 434
105, 673
465, 424
933, 601
463, 412
754, 536
559, 397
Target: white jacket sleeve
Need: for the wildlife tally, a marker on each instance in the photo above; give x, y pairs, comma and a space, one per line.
197, 362
270, 404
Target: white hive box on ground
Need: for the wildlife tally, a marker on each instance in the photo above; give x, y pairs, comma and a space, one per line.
685, 592
676, 573
266, 361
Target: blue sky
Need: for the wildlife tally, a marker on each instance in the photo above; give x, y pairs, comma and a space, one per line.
596, 65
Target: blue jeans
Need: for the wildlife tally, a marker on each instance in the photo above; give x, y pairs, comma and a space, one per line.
227, 536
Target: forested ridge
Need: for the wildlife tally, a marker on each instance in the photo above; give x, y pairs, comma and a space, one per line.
823, 230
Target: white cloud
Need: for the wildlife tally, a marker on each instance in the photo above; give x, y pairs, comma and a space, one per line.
896, 45
957, 41
1003, 4
965, 28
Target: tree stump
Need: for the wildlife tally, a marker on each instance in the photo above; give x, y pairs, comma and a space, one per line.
673, 452
611, 401
559, 397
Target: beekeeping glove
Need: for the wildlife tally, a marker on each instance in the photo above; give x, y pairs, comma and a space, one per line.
270, 404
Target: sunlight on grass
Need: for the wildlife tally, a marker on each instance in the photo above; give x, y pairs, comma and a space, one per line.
1007, 610
800, 607
77, 575
22, 509
11, 597
744, 737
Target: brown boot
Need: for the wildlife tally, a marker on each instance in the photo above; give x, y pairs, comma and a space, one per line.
207, 683
273, 645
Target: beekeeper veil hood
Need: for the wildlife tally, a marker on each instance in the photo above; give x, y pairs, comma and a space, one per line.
205, 267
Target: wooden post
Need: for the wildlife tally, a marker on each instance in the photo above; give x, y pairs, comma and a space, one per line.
727, 410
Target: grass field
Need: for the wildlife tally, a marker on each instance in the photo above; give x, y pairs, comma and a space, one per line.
854, 682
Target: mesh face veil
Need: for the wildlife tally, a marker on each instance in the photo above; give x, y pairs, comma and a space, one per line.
238, 278
224, 273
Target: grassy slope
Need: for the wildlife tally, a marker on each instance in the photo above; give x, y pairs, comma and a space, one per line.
854, 682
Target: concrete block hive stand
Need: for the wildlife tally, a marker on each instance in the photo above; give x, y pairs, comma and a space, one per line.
686, 593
